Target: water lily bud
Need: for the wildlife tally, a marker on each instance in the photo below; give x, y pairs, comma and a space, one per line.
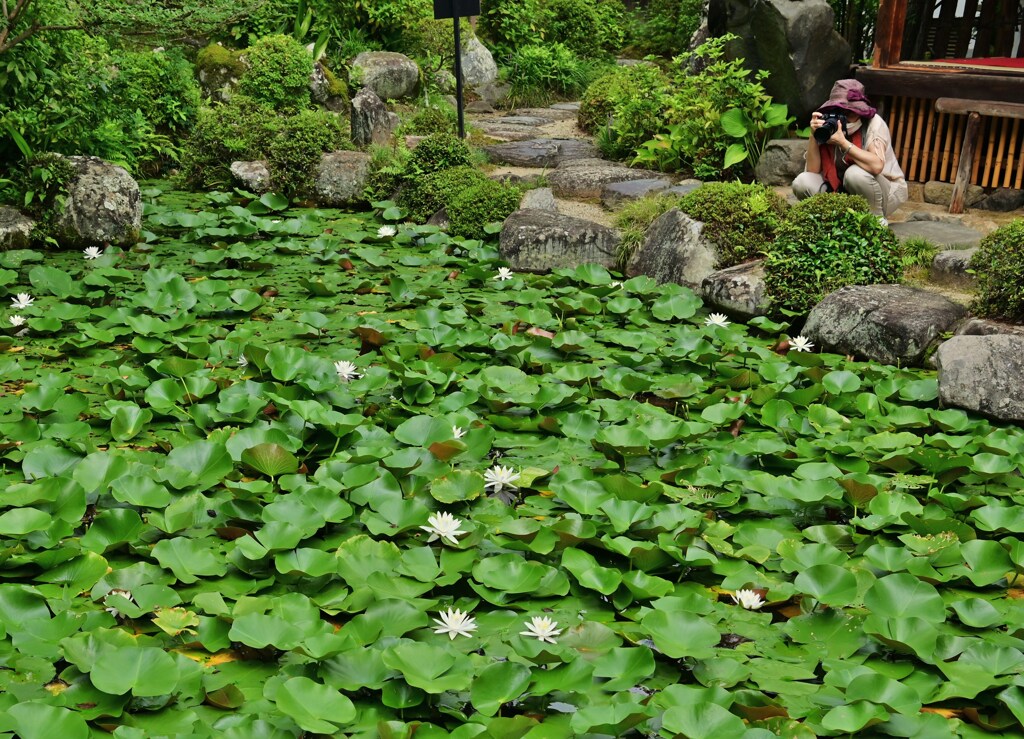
782, 347
346, 264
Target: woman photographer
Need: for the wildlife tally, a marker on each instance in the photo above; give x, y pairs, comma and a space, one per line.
851, 151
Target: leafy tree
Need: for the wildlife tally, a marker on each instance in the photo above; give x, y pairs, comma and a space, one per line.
23, 19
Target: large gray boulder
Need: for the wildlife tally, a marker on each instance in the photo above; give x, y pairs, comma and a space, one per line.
539, 240
15, 228
1003, 199
781, 161
579, 179
795, 39
675, 250
392, 76
941, 193
371, 122
253, 176
893, 324
103, 206
539, 198
984, 374
479, 70
739, 291
988, 327
341, 178
540, 152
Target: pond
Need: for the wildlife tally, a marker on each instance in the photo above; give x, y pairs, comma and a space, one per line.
281, 470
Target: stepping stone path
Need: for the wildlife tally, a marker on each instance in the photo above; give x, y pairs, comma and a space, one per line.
944, 234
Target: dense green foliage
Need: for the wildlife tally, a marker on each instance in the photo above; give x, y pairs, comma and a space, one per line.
246, 129
161, 84
625, 105
633, 220
998, 266
742, 220
829, 241
424, 196
213, 57
666, 27
278, 73
38, 186
695, 105
431, 119
543, 73
438, 151
574, 23
388, 168
220, 452
480, 204
507, 25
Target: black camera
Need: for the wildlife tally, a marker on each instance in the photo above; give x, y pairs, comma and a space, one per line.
829, 126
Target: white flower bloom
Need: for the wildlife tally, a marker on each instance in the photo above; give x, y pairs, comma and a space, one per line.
542, 628
717, 319
801, 344
615, 284
93, 252
504, 273
124, 594
444, 526
346, 370
22, 300
384, 231
499, 478
242, 361
458, 432
17, 320
23, 332
749, 599
454, 622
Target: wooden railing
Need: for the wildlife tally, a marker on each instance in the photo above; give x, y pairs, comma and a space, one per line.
928, 143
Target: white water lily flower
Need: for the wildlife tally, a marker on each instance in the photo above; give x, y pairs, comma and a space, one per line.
17, 320
124, 594
454, 622
346, 370
458, 432
801, 344
749, 599
384, 231
93, 252
242, 361
500, 478
542, 628
444, 526
717, 319
22, 300
504, 273
616, 283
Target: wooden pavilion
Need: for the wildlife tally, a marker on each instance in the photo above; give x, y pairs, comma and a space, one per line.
948, 75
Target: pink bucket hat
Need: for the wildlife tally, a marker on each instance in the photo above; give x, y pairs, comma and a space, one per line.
849, 95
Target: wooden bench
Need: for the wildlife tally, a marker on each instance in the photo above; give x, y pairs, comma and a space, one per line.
974, 110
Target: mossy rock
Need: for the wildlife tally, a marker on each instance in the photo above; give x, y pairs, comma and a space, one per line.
218, 69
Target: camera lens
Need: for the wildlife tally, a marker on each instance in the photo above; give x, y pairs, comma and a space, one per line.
825, 131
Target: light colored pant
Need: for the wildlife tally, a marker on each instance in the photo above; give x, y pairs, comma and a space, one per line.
856, 181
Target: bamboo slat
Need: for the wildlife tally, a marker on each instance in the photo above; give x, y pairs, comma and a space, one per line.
930, 158
1012, 153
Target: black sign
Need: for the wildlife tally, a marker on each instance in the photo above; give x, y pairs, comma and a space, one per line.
456, 8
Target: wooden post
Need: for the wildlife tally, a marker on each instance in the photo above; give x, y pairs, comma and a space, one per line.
963, 170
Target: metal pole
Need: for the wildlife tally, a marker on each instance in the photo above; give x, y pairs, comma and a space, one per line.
458, 73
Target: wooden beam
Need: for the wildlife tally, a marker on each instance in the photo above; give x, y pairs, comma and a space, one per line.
963, 170
891, 17
937, 84
984, 107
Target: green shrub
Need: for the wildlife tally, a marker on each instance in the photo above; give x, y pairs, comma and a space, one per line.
507, 25
666, 27
388, 166
438, 151
423, 196
247, 129
215, 56
918, 253
296, 146
278, 73
540, 73
999, 267
441, 118
612, 23
827, 242
575, 24
39, 187
634, 219
632, 99
695, 105
741, 219
160, 84
476, 206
